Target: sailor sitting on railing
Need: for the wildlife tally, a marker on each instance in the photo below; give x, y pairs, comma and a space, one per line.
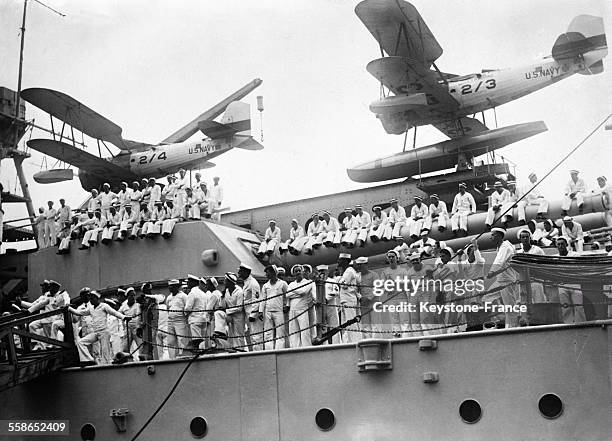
437, 212
572, 230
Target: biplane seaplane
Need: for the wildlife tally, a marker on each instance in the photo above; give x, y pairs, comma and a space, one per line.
415, 92
136, 159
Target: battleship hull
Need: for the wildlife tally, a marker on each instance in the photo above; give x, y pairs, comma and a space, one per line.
512, 375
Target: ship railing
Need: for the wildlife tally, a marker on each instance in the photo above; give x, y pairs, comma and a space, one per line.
19, 361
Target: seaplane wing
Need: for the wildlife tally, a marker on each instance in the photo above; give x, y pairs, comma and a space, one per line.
81, 159
399, 29
76, 114
461, 127
406, 76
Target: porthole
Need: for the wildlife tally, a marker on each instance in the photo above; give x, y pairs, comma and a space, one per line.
470, 411
198, 427
88, 432
325, 419
550, 406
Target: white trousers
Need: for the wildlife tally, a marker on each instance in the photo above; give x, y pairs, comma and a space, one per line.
97, 336
267, 247
91, 237
351, 333
168, 226
397, 228
124, 230
416, 226
50, 232
567, 201
313, 242
442, 221
332, 321
349, 237
540, 202
177, 338
108, 232
299, 332
332, 238
274, 328
382, 232
459, 220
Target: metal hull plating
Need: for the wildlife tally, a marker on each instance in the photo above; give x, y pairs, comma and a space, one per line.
254, 396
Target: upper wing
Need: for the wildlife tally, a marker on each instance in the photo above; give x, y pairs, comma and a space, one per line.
81, 159
76, 114
404, 75
399, 29
461, 127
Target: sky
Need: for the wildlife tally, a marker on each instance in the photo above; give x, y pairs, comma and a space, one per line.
152, 66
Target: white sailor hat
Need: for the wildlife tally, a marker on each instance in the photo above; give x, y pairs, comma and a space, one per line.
192, 277
361, 260
344, 256
532, 175
124, 183
567, 219
184, 285
424, 231
146, 285
214, 282
95, 293
44, 282
435, 195
564, 238
119, 290
281, 270
173, 282
93, 190
295, 220
462, 184
307, 267
497, 184
376, 207
106, 184
85, 290
398, 237
272, 221
447, 250
326, 212
603, 178
418, 198
498, 230
322, 267
54, 283
294, 268
348, 210
245, 266
314, 215
511, 182
158, 202
182, 170
271, 267
129, 289
358, 206
393, 252
232, 277
574, 171
111, 301
203, 280
392, 200
414, 256
523, 230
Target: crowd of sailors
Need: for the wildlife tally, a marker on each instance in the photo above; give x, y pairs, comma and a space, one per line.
359, 226
237, 313
144, 209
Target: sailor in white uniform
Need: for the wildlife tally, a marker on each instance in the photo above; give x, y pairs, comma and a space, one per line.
463, 205
128, 220
155, 193
527, 247
91, 236
425, 246
272, 237
573, 231
331, 228
315, 234
135, 197
606, 193
437, 212
124, 197
216, 198
350, 225
106, 198
534, 197
505, 276
397, 218
418, 213
50, 230
380, 229
295, 242
332, 302
365, 221
158, 216
499, 203
173, 215
574, 190
113, 222
180, 198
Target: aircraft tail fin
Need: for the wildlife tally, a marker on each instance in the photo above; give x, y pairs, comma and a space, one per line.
235, 121
586, 39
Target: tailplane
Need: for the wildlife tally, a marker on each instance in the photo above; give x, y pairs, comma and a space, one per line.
235, 121
585, 39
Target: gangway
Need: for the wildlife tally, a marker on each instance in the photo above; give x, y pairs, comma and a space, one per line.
19, 363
